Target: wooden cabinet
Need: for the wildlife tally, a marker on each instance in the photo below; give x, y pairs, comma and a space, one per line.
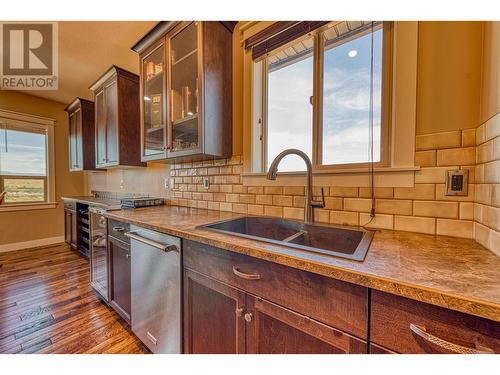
81, 135
407, 326
231, 298
120, 296
186, 91
70, 224
117, 122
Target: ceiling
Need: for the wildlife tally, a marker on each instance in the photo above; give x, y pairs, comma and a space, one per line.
88, 49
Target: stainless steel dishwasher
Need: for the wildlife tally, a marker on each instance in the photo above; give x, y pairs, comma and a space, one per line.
156, 289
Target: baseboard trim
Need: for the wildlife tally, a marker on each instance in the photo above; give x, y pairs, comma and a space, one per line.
31, 244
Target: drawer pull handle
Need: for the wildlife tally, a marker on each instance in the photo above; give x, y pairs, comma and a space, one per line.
421, 332
248, 317
246, 276
119, 229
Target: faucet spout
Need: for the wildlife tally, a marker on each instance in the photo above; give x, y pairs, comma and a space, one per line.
309, 203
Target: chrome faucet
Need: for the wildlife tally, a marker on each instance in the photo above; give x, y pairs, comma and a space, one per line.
310, 204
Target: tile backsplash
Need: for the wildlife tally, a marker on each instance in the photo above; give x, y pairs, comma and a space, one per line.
423, 208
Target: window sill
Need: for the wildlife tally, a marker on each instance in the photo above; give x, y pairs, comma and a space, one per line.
27, 206
352, 177
338, 171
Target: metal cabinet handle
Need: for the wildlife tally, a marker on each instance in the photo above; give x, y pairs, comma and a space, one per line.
246, 276
454, 348
127, 256
147, 241
118, 229
248, 317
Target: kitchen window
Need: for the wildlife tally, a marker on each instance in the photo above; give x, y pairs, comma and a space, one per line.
26, 159
317, 93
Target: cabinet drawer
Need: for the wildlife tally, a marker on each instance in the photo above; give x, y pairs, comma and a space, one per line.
337, 303
70, 205
408, 326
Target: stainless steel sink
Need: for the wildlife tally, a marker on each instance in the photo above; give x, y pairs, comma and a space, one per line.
344, 242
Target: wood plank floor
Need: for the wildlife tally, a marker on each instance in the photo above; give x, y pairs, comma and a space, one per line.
47, 306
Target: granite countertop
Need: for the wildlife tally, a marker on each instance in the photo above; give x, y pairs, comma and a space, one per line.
455, 273
105, 202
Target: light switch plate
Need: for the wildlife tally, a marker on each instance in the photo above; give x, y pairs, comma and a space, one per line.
457, 181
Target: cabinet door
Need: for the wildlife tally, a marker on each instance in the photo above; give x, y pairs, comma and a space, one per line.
213, 316
67, 226
100, 129
111, 105
120, 277
272, 329
73, 158
78, 140
74, 230
154, 137
184, 90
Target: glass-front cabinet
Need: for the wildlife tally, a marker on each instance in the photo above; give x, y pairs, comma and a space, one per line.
186, 90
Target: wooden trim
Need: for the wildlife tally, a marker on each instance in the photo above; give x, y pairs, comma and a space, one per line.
31, 244
150, 38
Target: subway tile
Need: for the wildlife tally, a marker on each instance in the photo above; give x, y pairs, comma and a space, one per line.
224, 206
380, 192
340, 191
273, 190
299, 201
436, 209
321, 215
237, 169
202, 204
293, 190
484, 152
456, 156
415, 224
480, 134
455, 228
469, 137
436, 141
492, 172
240, 189
255, 209
418, 191
240, 208
226, 169
344, 218
483, 193
218, 179
479, 174
432, 175
264, 199
226, 188
493, 217
197, 196
247, 198
472, 172
466, 210
494, 243
333, 203
441, 194
492, 128
202, 171
357, 204
213, 205
293, 213
425, 158
219, 197
273, 211
208, 163
255, 190
234, 198
283, 200
495, 195
187, 195
394, 206
234, 179
220, 162
192, 203
495, 155
482, 234
380, 221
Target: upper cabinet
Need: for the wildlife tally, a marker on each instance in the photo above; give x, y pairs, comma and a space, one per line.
186, 91
117, 119
81, 135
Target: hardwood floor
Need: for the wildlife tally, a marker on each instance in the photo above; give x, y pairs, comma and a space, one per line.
47, 306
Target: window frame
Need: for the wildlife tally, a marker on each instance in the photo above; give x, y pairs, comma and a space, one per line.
46, 125
259, 105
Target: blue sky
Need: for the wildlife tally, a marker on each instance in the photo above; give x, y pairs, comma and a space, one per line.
345, 105
25, 153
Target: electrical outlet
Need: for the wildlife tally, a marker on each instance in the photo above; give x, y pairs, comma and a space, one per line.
206, 183
166, 183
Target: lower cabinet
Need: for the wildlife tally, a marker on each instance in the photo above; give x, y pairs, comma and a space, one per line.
223, 318
120, 276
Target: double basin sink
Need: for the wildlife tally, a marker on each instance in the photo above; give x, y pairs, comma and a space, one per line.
344, 242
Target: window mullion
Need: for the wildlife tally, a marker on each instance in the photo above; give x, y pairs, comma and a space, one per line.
317, 148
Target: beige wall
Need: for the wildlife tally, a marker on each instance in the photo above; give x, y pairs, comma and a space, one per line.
449, 75
20, 226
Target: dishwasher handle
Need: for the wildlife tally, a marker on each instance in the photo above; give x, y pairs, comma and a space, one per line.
147, 241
